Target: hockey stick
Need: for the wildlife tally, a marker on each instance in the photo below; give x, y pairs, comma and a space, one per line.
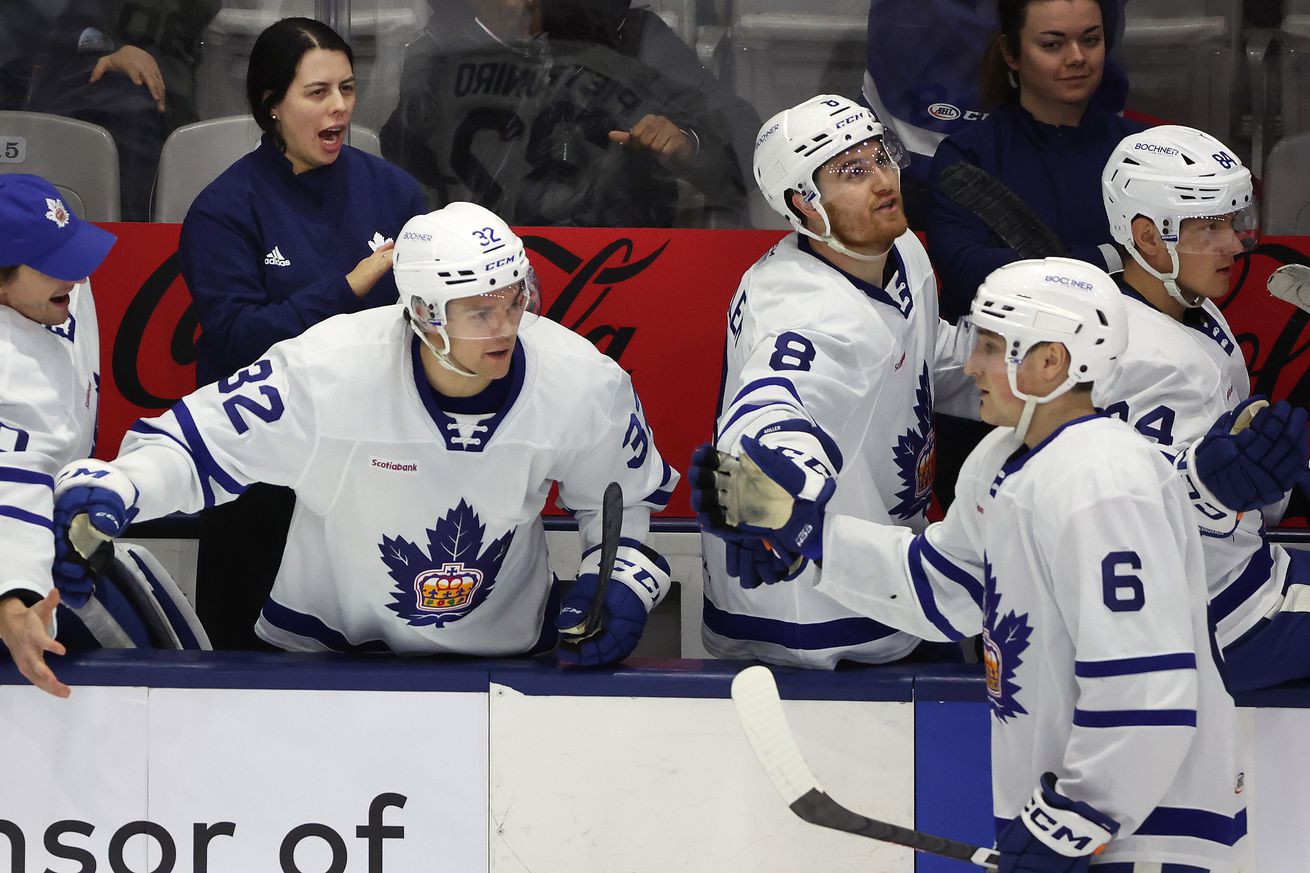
1291, 283
611, 527
755, 695
94, 549
1001, 210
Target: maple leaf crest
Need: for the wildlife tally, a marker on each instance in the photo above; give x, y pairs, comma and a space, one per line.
451, 577
1005, 638
915, 454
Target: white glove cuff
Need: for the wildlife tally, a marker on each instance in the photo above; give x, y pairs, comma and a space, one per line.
1063, 831
97, 474
639, 567
1212, 517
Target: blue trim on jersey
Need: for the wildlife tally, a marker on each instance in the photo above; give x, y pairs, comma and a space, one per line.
204, 462
659, 498
176, 620
956, 574
1113, 718
923, 590
1135, 666
767, 381
1252, 578
26, 477
23, 515
894, 269
312, 627
1201, 824
754, 407
802, 425
1015, 464
447, 426
837, 633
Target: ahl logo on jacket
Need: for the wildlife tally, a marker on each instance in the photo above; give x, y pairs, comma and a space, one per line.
452, 577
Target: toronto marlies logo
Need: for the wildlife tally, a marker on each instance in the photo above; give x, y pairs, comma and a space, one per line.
448, 580
1005, 638
915, 454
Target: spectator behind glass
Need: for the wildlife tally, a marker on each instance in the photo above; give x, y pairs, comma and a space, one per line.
293, 233
130, 67
569, 112
1046, 141
922, 78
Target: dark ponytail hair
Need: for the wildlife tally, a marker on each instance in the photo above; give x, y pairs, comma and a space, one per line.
1011, 15
273, 61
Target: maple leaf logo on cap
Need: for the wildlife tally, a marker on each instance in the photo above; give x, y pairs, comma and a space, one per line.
58, 212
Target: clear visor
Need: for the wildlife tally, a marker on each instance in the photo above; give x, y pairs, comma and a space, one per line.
878, 155
1230, 234
491, 315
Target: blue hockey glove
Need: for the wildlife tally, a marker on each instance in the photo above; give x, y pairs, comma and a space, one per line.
1252, 455
91, 508
753, 563
623, 618
1053, 834
777, 494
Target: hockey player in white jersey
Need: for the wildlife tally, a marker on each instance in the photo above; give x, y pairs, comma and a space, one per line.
421, 441
833, 351
1071, 546
49, 395
1181, 204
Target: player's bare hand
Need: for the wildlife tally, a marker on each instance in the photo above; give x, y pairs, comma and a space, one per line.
137, 65
660, 135
25, 631
368, 271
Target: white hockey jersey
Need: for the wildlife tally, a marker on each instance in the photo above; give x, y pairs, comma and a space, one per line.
414, 531
49, 397
1171, 384
1080, 563
848, 373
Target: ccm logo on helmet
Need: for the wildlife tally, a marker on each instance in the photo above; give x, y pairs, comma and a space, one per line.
424, 237
1069, 282
1156, 149
502, 262
848, 120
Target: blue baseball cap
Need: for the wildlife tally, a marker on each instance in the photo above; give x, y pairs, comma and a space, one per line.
39, 231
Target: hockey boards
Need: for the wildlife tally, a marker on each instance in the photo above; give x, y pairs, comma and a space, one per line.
759, 709
1001, 210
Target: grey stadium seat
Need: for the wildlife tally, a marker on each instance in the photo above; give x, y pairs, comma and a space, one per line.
1287, 188
1294, 66
784, 53
78, 158
1181, 59
195, 154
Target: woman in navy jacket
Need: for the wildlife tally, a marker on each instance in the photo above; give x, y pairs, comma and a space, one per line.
293, 233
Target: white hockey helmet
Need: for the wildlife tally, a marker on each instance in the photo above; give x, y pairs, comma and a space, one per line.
1171, 173
1056, 300
463, 251
795, 143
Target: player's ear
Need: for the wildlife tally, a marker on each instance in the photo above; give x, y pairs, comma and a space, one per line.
1146, 239
799, 204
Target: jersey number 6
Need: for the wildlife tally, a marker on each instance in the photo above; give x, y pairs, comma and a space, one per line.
256, 372
1122, 591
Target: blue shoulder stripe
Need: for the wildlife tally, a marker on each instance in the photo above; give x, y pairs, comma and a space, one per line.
768, 381
1134, 666
204, 462
25, 476
923, 590
747, 408
1112, 718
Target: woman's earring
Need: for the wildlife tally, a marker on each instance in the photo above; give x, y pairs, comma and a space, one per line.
1009, 75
